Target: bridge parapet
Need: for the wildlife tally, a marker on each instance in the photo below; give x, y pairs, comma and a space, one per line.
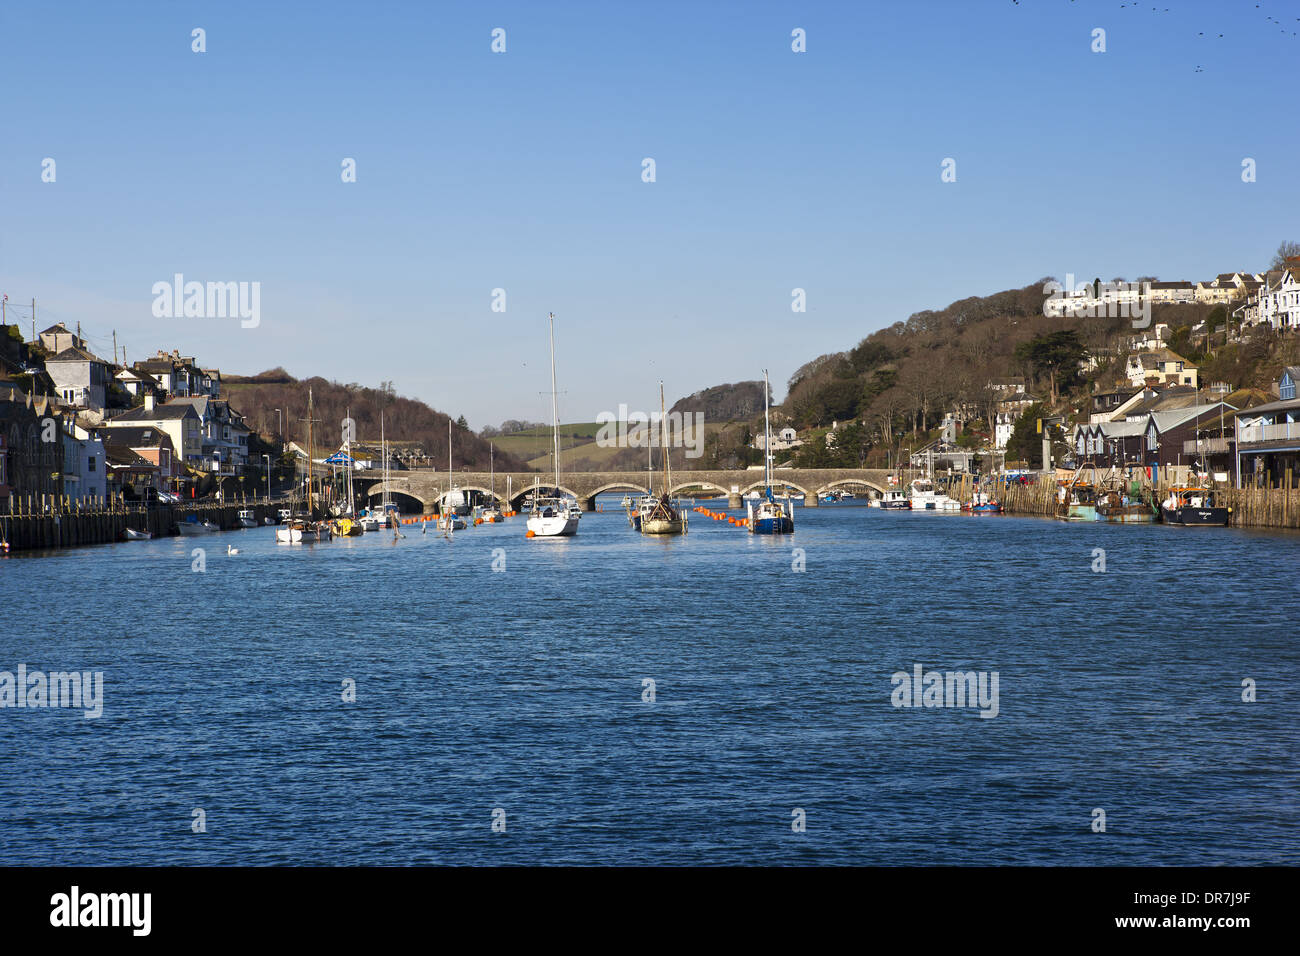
431, 487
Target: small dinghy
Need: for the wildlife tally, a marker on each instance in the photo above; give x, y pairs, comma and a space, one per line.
130, 534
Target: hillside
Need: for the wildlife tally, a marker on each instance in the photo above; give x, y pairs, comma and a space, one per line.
409, 421
724, 403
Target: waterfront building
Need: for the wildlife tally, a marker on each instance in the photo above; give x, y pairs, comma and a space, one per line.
1268, 435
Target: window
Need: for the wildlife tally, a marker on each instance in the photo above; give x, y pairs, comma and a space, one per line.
90, 463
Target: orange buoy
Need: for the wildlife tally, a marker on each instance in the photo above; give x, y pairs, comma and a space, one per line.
530, 534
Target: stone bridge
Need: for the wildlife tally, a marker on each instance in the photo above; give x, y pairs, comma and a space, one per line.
429, 488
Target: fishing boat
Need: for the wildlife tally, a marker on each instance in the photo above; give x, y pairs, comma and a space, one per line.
982, 503
131, 534
192, 527
663, 518
553, 517
1118, 506
1194, 507
247, 519
1076, 501
895, 499
925, 497
769, 515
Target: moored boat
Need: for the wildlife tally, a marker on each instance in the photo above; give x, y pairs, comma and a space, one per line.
247, 518
1119, 507
131, 534
769, 515
895, 499
1076, 502
1194, 507
924, 497
553, 517
193, 527
982, 503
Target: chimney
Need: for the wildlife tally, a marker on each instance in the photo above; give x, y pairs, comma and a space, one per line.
148, 401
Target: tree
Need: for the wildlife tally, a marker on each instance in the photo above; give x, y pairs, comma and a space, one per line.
1287, 250
1054, 354
1025, 443
461, 423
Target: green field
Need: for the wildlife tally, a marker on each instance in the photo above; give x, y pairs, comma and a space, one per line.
535, 443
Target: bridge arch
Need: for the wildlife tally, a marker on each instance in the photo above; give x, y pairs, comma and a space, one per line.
698, 484
776, 483
517, 497
406, 502
840, 482
620, 486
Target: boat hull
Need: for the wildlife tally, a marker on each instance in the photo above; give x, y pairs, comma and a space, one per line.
1133, 514
194, 529
1078, 513
779, 525
1190, 517
559, 526
663, 526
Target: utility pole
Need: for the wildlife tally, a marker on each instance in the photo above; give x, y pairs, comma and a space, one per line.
115, 346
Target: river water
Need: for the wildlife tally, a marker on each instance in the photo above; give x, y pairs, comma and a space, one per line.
519, 694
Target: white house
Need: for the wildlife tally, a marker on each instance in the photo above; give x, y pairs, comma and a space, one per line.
1279, 299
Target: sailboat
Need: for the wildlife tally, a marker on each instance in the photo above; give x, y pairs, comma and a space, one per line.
767, 515
385, 515
553, 517
347, 521
663, 518
491, 513
448, 520
305, 527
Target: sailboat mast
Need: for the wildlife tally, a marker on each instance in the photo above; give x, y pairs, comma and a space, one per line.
555, 406
767, 439
310, 508
663, 446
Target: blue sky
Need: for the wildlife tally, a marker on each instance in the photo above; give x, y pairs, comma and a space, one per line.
522, 171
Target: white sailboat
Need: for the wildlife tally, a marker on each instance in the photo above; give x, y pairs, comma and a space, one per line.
448, 520
553, 517
767, 515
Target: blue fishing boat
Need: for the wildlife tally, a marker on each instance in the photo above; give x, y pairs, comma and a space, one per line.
768, 515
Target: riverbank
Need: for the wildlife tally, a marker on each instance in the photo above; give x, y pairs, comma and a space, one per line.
40, 526
1248, 507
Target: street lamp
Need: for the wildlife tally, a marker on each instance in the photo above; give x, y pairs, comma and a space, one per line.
267, 459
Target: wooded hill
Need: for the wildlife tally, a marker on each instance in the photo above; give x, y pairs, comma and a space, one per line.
406, 420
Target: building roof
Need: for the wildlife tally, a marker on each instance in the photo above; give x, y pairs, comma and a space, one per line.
159, 413
121, 456
144, 436
1166, 420
75, 354
1181, 284
1286, 406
